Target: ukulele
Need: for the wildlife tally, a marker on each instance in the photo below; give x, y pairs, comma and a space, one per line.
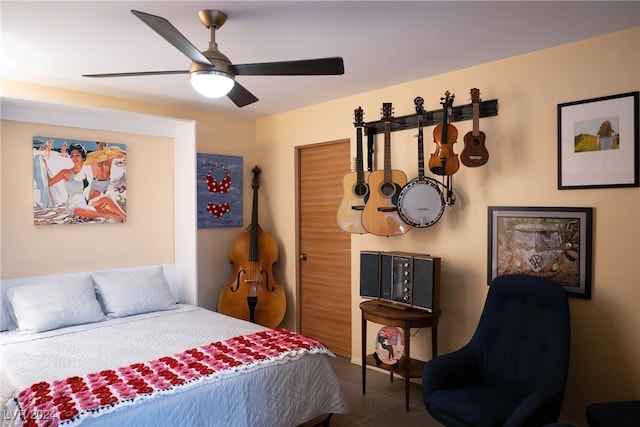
380, 215
443, 161
474, 153
355, 187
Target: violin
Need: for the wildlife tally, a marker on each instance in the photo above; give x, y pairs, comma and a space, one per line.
444, 161
253, 293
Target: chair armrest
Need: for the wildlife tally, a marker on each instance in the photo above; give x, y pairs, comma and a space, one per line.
450, 370
538, 408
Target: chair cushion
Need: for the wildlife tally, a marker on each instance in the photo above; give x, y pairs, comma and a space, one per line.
478, 405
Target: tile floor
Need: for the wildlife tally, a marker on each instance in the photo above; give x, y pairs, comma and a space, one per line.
384, 403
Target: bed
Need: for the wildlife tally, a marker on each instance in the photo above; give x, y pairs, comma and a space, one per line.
114, 348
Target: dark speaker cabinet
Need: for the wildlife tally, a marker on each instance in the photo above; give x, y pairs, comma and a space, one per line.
400, 279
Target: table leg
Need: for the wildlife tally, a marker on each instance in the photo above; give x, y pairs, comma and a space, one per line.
364, 353
434, 340
407, 355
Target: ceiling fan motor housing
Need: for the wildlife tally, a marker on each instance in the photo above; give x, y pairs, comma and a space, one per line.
219, 62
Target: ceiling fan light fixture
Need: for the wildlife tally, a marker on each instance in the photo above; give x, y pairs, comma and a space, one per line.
212, 83
212, 74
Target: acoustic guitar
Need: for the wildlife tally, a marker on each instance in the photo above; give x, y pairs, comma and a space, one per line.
355, 187
380, 215
474, 153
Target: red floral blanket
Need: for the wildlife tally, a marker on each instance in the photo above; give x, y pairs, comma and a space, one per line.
68, 401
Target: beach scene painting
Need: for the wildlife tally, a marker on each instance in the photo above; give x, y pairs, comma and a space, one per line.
219, 190
78, 182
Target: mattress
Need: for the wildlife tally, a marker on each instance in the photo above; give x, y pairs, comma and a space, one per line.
285, 392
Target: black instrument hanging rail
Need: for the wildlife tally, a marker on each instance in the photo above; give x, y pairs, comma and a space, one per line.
459, 113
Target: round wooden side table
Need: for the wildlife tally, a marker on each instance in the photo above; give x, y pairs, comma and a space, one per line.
407, 367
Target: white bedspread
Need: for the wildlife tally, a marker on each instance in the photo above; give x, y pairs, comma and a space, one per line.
282, 395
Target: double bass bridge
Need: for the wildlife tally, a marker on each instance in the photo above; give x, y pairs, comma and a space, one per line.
254, 282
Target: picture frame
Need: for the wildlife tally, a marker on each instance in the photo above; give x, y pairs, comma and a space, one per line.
550, 242
79, 181
219, 184
598, 142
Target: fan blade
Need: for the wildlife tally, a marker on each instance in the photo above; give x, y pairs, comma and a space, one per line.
139, 73
172, 35
305, 67
241, 96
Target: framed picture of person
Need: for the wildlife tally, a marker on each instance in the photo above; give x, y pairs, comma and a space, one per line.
77, 182
598, 142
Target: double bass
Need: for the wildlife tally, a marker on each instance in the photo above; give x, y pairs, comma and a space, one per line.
253, 293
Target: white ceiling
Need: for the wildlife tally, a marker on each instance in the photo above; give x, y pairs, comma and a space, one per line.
382, 42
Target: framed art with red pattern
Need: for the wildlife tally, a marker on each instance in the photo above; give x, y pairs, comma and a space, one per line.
219, 190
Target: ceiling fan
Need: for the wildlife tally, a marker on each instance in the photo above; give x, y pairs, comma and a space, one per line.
212, 73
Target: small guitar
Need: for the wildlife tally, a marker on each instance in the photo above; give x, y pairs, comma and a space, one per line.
444, 161
380, 215
355, 187
474, 153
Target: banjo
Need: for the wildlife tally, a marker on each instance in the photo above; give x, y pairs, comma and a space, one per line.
420, 202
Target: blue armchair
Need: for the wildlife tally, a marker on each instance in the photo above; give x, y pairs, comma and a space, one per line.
513, 371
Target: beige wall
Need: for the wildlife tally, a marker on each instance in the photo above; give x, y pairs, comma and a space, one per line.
63, 248
522, 171
148, 236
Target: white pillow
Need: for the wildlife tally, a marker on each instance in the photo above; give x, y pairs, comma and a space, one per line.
133, 291
44, 306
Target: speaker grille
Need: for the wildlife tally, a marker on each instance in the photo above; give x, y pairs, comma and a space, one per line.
423, 285
369, 274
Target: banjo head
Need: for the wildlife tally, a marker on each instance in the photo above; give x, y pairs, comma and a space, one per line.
420, 203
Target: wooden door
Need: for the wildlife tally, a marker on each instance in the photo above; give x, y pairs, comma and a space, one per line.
324, 266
